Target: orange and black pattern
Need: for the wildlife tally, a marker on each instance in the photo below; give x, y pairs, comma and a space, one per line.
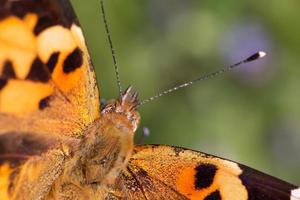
44, 69
50, 118
187, 174
48, 90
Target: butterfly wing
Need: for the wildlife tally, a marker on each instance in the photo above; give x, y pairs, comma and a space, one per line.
47, 83
165, 172
48, 90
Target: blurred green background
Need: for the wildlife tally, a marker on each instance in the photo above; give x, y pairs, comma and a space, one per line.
251, 115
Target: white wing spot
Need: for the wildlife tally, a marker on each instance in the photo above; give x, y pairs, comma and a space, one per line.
295, 194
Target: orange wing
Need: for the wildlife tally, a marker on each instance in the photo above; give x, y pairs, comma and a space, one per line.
165, 172
47, 83
48, 90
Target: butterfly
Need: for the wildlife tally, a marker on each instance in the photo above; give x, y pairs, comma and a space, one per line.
57, 143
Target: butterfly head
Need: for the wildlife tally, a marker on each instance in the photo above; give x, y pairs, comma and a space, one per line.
125, 106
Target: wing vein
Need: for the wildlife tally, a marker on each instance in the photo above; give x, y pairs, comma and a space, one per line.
169, 187
137, 181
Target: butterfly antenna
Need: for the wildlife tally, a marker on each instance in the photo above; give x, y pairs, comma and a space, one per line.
113, 52
251, 58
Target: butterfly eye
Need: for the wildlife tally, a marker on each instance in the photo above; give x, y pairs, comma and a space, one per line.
103, 102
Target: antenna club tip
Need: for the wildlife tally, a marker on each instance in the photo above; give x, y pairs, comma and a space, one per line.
255, 56
262, 54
